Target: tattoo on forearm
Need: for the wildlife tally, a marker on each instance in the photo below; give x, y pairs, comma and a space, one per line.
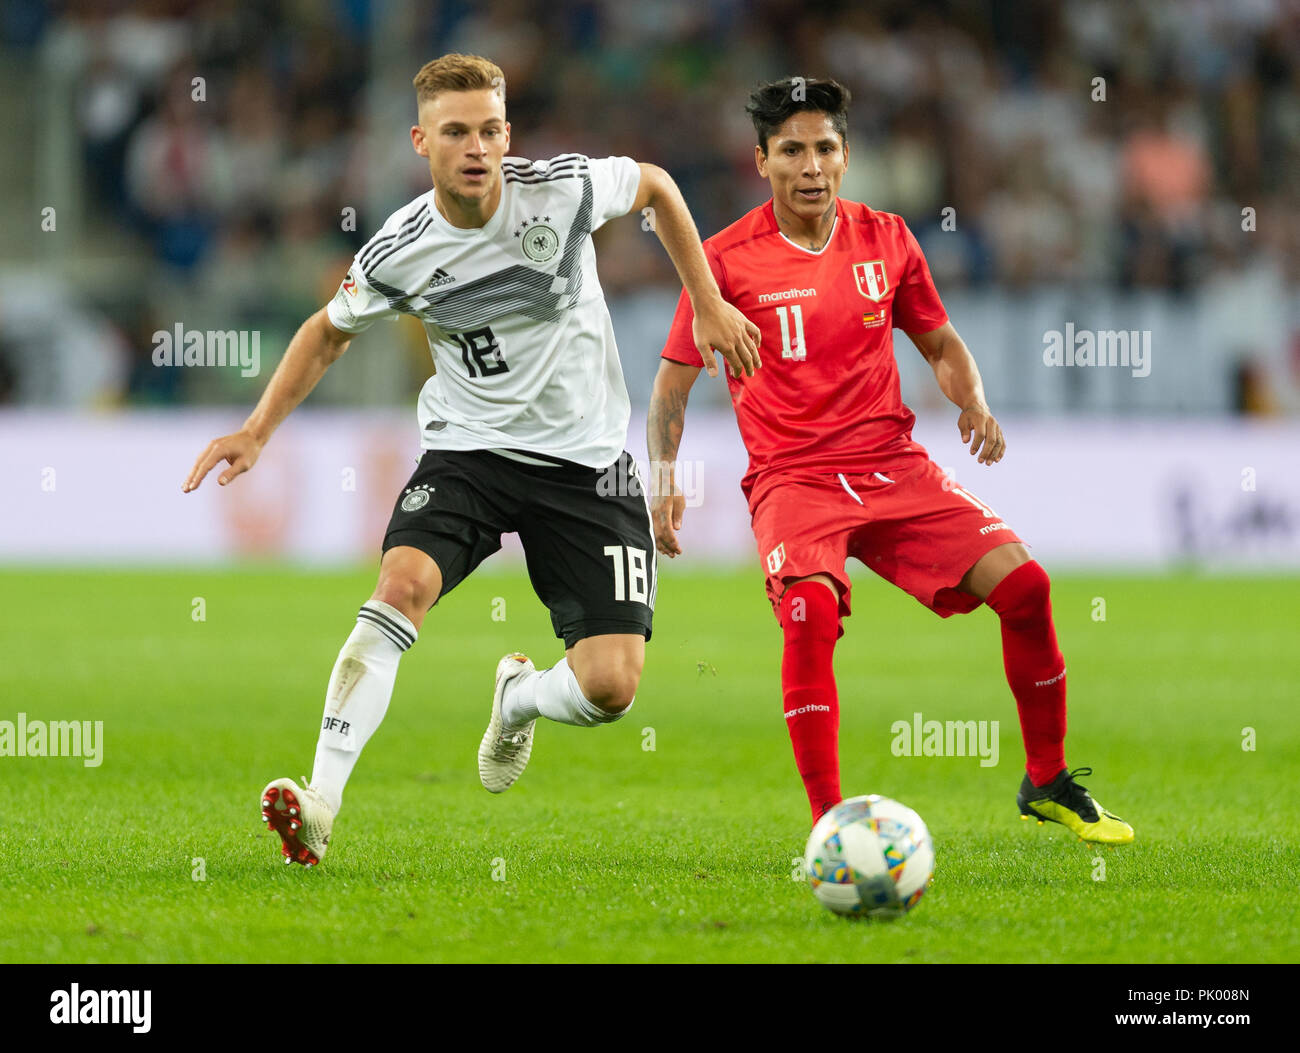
664, 435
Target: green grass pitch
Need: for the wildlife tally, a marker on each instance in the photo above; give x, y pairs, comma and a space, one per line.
608, 850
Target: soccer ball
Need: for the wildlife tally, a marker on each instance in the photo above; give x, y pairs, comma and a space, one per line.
869, 857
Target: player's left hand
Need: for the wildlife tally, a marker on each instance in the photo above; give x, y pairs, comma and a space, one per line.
979, 428
720, 326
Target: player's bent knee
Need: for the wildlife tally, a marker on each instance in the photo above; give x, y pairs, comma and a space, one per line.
1035, 586
1024, 595
610, 685
409, 580
411, 594
608, 671
810, 610
615, 703
610, 691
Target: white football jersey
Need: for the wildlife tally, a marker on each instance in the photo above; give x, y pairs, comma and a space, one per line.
523, 348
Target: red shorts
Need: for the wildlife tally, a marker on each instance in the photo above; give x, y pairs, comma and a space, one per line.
913, 526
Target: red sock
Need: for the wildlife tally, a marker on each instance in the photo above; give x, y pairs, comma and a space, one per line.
810, 620
1035, 668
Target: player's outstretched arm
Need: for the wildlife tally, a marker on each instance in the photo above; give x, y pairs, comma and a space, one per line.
718, 325
313, 349
663, 437
959, 379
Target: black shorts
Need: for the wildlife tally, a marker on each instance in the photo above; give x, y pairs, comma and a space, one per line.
585, 531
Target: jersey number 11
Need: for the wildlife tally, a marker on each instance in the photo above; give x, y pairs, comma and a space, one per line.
797, 349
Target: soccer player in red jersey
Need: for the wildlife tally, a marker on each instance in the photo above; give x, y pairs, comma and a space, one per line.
833, 469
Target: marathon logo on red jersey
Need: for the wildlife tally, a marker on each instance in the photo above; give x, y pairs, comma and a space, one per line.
787, 294
871, 279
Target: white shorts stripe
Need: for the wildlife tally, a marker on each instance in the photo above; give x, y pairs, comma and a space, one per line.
845, 483
654, 549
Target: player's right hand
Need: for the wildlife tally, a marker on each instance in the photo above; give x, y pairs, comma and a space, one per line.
719, 326
239, 450
666, 515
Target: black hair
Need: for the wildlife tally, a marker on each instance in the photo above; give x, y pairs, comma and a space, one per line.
771, 105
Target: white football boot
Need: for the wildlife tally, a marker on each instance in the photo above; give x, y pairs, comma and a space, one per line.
503, 754
301, 818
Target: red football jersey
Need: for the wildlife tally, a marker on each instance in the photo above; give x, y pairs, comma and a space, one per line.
827, 396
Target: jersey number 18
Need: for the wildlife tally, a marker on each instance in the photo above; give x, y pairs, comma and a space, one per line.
480, 346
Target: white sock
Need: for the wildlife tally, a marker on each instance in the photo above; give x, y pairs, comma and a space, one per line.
359, 690
552, 693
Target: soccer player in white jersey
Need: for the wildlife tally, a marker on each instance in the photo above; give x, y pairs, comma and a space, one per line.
522, 426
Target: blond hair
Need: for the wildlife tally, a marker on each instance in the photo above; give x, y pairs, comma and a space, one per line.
458, 73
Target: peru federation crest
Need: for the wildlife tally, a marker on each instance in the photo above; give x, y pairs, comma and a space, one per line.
872, 282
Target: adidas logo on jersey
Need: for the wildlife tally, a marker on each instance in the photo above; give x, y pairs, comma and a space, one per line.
440, 277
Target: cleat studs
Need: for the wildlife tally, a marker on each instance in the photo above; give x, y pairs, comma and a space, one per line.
293, 811
266, 803
287, 861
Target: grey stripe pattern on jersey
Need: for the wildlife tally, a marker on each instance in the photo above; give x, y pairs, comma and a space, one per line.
379, 249
566, 165
515, 289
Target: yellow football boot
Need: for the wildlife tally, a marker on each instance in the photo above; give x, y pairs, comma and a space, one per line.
1064, 801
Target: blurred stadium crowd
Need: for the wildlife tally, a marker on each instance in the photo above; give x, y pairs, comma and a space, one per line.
229, 210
